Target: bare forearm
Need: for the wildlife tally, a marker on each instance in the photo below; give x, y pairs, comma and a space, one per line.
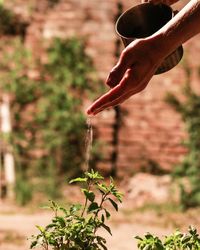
181, 28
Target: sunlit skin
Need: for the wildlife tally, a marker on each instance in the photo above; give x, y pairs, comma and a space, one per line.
140, 59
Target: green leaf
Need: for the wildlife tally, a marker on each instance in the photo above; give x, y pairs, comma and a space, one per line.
102, 218
103, 246
75, 207
53, 242
107, 228
64, 210
89, 194
33, 244
114, 204
42, 230
101, 241
118, 195
138, 238
93, 207
54, 204
50, 226
102, 188
79, 179
107, 214
185, 239
61, 221
94, 175
45, 207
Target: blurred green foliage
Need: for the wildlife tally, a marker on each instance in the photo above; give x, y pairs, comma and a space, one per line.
24, 190
48, 122
188, 171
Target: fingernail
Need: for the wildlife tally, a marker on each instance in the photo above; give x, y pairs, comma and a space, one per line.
89, 111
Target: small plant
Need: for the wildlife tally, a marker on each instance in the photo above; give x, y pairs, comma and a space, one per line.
175, 241
76, 228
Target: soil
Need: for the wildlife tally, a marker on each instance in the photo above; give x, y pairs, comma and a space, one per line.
17, 224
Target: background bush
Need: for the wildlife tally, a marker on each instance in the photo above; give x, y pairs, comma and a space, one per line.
46, 103
188, 171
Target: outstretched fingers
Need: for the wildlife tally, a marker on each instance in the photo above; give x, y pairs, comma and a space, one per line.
106, 99
118, 94
118, 101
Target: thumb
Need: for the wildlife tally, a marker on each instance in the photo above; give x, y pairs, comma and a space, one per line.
118, 71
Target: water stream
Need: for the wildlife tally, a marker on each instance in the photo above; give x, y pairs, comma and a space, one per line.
88, 144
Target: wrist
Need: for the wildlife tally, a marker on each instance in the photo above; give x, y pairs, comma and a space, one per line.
166, 57
160, 46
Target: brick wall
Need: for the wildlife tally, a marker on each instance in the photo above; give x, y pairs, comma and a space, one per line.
151, 130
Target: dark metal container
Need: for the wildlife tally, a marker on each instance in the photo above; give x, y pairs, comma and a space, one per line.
142, 21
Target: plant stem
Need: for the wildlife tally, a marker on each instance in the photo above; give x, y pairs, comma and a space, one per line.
86, 199
46, 244
100, 206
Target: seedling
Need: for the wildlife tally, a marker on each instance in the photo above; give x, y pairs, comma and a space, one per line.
77, 228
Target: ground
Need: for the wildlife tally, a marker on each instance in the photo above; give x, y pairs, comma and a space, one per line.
17, 224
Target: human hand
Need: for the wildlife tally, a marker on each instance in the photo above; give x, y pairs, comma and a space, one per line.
167, 2
136, 66
140, 59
